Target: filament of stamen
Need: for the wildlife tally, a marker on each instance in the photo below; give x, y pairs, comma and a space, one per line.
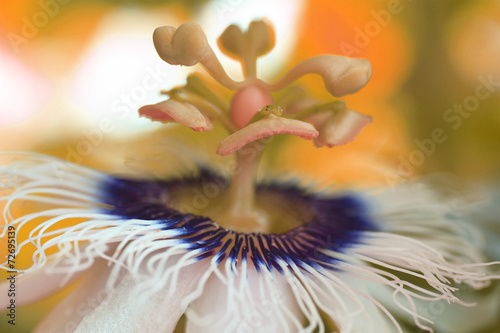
337, 106
197, 86
201, 103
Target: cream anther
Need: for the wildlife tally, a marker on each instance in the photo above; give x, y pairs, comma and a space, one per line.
183, 113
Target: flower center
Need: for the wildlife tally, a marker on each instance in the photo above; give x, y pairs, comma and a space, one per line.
273, 211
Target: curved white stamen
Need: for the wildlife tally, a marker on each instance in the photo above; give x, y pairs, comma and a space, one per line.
268, 126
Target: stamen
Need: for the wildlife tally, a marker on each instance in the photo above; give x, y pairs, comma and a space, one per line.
196, 85
209, 109
183, 113
334, 107
268, 126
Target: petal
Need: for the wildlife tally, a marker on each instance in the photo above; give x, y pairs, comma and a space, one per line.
252, 302
183, 113
127, 310
455, 318
36, 285
339, 129
89, 293
347, 303
271, 125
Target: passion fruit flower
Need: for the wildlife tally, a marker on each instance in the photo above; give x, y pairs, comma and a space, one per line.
250, 257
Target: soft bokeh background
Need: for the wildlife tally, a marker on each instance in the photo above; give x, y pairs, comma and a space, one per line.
74, 71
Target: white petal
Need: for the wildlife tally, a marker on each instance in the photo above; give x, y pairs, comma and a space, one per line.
89, 293
34, 286
454, 318
263, 303
124, 310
